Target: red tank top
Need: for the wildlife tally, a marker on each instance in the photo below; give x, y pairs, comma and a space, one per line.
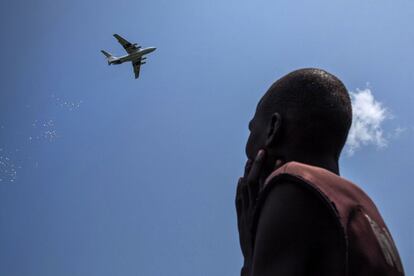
369, 247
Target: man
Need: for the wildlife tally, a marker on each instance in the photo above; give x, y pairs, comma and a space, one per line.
296, 215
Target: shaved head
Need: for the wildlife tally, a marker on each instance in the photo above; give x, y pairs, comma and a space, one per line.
315, 108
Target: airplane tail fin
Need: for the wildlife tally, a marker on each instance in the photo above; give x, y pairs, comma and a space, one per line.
108, 56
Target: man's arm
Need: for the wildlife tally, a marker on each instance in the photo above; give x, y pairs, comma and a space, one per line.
296, 234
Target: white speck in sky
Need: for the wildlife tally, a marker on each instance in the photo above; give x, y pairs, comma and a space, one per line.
45, 130
8, 170
69, 105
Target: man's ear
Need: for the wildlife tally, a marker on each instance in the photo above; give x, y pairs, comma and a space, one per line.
273, 130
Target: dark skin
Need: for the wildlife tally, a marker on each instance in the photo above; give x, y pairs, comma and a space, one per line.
296, 233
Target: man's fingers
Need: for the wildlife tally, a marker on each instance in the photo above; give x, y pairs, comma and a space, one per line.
248, 186
256, 166
247, 167
242, 195
253, 177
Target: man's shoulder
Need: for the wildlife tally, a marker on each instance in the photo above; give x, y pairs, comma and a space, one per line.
294, 223
287, 195
293, 209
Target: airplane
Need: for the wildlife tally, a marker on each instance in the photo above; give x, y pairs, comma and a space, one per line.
136, 54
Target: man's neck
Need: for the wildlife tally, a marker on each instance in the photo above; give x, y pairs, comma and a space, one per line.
328, 163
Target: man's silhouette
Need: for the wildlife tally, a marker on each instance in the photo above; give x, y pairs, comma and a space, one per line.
296, 215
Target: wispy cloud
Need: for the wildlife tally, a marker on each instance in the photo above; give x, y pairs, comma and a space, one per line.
368, 118
398, 131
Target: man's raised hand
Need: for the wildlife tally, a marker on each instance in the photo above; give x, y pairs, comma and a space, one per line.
246, 195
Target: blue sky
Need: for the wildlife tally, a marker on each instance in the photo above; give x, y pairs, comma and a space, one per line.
103, 174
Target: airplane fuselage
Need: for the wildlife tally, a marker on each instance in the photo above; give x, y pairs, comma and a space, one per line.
133, 56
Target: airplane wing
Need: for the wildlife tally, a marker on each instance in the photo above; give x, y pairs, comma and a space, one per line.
137, 66
128, 46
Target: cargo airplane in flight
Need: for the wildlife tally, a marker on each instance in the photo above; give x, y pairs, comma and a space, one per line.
136, 54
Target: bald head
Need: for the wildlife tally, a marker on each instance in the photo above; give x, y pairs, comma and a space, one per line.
315, 110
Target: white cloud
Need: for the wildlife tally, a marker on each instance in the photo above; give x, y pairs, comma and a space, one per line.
368, 118
398, 131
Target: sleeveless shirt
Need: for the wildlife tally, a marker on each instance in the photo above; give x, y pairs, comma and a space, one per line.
369, 247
